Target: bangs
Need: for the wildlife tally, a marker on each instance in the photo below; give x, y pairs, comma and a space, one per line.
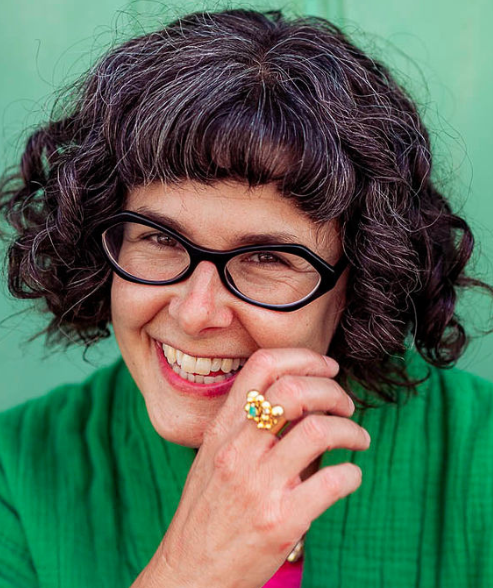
228, 120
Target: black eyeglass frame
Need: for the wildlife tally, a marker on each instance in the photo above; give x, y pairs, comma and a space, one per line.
329, 274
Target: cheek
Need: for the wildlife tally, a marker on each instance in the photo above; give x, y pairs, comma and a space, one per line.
311, 327
317, 326
333, 312
132, 305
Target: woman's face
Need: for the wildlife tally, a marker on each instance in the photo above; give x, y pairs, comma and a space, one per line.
202, 319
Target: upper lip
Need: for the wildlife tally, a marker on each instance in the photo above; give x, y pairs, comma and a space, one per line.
207, 355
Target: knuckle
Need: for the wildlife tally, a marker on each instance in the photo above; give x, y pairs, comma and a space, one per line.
342, 480
289, 389
262, 359
332, 484
314, 430
226, 460
346, 433
340, 398
270, 518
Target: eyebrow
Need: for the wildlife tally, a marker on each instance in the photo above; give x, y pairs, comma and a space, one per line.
280, 237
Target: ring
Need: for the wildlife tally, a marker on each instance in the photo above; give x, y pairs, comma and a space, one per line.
268, 417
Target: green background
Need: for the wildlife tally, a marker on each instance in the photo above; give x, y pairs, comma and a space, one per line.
442, 50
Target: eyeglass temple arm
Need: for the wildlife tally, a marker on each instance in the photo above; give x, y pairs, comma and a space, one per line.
341, 265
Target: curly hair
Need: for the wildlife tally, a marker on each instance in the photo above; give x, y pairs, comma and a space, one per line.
256, 98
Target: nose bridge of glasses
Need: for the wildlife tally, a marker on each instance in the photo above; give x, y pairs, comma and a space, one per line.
204, 286
203, 267
217, 258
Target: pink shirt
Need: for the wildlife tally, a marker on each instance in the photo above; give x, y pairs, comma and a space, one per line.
287, 576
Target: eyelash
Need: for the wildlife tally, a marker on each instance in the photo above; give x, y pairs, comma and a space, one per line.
275, 259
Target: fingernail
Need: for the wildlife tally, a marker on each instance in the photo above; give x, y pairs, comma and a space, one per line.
332, 363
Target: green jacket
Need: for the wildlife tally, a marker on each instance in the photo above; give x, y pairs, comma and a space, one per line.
88, 488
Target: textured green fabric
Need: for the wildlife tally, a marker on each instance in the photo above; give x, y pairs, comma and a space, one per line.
88, 488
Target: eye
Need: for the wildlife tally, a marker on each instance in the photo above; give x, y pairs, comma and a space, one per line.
165, 240
159, 239
269, 260
266, 257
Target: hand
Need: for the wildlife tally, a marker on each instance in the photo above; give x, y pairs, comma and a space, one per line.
245, 505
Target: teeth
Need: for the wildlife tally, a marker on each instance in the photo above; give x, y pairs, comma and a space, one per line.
216, 364
199, 379
171, 354
188, 363
203, 366
197, 369
227, 365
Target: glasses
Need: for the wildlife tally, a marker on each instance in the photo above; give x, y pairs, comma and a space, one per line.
278, 277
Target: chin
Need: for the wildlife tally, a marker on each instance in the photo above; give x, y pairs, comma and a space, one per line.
185, 424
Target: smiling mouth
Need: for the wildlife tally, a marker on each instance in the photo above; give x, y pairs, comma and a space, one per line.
202, 370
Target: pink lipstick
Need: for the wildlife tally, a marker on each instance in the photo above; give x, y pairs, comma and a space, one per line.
211, 390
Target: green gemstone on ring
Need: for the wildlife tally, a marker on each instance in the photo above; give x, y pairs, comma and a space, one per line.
252, 411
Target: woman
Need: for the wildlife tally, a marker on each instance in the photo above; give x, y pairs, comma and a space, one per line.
247, 201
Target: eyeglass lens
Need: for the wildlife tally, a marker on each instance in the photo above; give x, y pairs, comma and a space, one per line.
269, 277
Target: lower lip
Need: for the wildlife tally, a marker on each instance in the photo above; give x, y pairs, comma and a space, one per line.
210, 390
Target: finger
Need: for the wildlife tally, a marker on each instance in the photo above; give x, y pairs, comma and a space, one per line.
311, 437
262, 369
299, 395
319, 492
266, 366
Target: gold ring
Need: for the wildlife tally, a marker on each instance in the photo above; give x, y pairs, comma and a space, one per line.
268, 417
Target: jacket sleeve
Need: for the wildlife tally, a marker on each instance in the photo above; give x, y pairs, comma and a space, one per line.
16, 566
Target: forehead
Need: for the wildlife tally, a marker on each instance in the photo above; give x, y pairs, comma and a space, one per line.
220, 216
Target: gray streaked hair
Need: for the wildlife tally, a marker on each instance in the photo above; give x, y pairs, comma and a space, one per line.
258, 98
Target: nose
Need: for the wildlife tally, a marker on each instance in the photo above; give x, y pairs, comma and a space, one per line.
201, 301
